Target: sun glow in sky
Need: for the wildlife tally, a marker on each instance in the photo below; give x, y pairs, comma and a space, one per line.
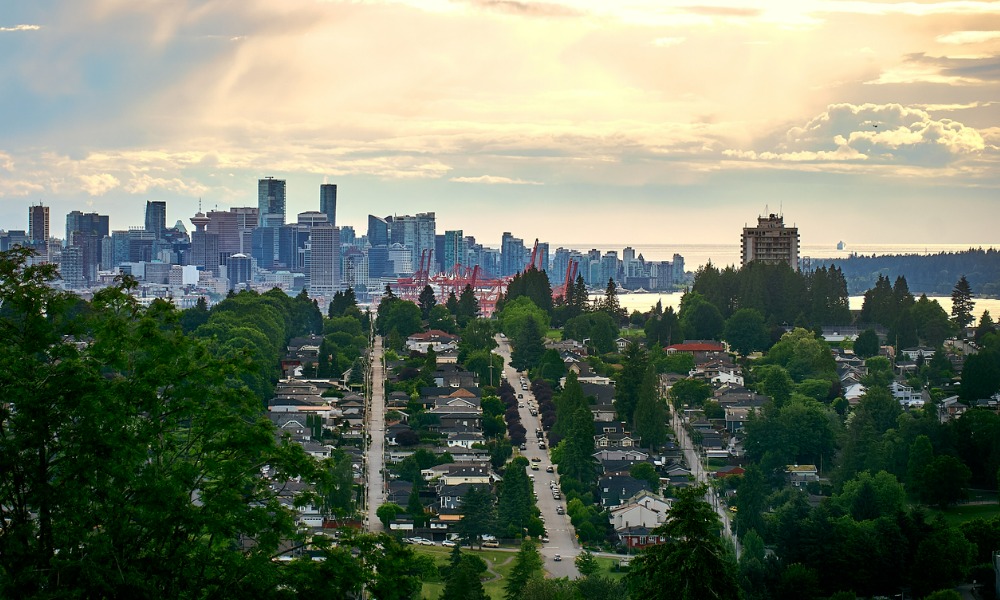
642, 121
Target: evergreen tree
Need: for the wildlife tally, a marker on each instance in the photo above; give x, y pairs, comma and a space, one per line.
609, 303
985, 326
569, 401
866, 344
426, 301
527, 566
578, 461
629, 381
528, 346
961, 303
650, 418
478, 515
468, 306
514, 505
692, 563
463, 580
452, 303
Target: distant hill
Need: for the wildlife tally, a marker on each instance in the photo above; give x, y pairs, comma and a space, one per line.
931, 274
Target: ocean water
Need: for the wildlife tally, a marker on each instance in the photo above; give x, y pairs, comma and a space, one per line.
643, 301
722, 255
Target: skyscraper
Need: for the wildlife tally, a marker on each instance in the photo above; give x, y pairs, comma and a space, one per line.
378, 231
771, 242
324, 260
454, 255
156, 217
271, 202
415, 233
328, 202
38, 224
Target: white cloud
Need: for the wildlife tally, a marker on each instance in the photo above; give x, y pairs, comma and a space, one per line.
98, 184
890, 134
20, 28
493, 179
968, 37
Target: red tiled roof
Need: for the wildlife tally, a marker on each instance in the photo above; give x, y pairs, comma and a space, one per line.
696, 347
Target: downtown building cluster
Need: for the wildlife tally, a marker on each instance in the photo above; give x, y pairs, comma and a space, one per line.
259, 247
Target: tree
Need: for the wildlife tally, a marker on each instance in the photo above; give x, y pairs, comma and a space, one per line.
701, 319
745, 331
527, 566
426, 301
646, 472
962, 304
866, 344
587, 564
650, 417
478, 515
529, 346
609, 303
131, 451
463, 580
689, 392
629, 381
468, 306
945, 481
986, 325
514, 506
693, 562
387, 512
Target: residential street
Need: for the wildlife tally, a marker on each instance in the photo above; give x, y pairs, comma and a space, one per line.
375, 430
693, 459
562, 536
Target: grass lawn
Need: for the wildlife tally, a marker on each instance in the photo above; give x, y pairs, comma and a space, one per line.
957, 515
554, 335
500, 562
608, 568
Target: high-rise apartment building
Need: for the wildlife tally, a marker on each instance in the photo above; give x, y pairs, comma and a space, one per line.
156, 217
247, 218
378, 231
771, 242
225, 224
513, 254
324, 260
271, 202
416, 233
328, 201
455, 252
38, 224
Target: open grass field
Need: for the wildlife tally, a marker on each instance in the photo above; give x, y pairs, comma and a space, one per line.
498, 564
957, 515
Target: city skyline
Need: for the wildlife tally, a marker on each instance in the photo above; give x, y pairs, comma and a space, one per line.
637, 122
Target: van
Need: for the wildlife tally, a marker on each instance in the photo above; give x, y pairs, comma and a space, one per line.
491, 544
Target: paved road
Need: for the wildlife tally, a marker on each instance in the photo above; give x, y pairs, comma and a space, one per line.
562, 536
375, 430
697, 468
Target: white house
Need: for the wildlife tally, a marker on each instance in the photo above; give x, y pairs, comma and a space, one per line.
645, 509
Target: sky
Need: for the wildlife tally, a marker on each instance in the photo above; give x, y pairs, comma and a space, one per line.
626, 121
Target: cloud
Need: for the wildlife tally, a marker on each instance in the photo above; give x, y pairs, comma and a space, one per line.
890, 134
923, 68
722, 11
20, 28
534, 9
98, 184
493, 180
968, 37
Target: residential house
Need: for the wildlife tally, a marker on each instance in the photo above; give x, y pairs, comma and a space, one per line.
906, 395
645, 509
585, 374
614, 490
613, 434
435, 339
799, 475
603, 406
703, 351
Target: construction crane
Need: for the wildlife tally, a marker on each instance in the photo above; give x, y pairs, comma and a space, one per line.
571, 268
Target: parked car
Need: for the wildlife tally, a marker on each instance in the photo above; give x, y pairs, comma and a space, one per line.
450, 543
534, 467
549, 469
560, 510
491, 544
535, 459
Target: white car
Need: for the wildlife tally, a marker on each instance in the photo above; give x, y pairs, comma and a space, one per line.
448, 543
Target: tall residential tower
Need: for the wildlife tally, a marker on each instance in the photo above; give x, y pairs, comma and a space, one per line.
771, 242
